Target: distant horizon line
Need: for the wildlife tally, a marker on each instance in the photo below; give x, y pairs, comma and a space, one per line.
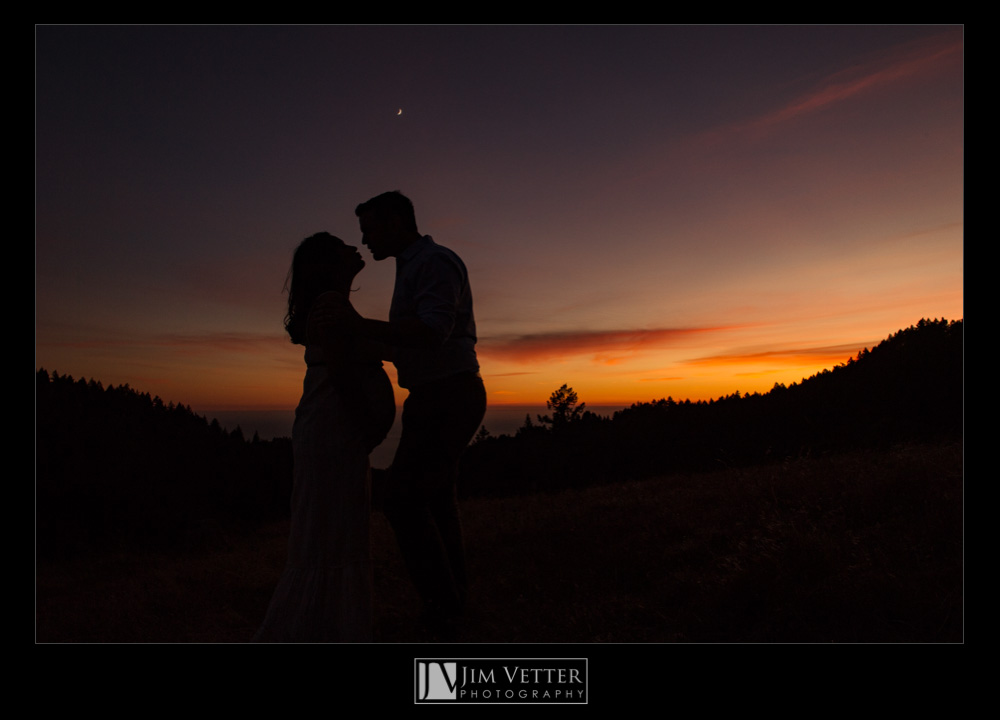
399, 405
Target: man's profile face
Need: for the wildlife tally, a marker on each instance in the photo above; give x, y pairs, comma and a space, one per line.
379, 235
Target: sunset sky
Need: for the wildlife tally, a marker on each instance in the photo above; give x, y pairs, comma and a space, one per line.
644, 211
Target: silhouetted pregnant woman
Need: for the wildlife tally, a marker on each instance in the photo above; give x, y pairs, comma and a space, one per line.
347, 408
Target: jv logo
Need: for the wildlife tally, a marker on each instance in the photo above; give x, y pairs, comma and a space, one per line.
462, 681
437, 680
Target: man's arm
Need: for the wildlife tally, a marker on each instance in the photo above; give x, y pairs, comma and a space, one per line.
334, 318
439, 282
410, 332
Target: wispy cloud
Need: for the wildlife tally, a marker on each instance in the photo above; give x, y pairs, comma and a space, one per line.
903, 63
193, 344
227, 342
825, 355
848, 83
608, 347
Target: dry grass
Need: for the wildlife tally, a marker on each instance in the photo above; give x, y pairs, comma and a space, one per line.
863, 547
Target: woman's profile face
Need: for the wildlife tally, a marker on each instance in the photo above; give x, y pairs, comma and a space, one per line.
349, 262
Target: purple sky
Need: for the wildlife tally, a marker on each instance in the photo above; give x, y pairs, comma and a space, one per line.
644, 211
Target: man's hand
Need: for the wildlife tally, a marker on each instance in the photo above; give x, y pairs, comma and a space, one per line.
333, 319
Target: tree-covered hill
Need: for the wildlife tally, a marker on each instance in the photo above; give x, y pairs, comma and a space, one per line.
116, 466
907, 388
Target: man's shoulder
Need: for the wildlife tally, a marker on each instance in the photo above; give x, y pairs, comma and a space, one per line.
432, 253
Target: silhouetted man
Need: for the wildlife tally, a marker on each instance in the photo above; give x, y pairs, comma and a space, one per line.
432, 336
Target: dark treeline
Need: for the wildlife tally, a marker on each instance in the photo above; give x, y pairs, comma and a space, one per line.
907, 388
116, 467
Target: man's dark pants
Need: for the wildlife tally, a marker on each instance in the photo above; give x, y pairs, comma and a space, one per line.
439, 420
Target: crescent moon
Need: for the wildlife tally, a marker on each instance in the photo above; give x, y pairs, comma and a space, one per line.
400, 111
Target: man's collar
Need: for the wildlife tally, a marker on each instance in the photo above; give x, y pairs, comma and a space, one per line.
414, 248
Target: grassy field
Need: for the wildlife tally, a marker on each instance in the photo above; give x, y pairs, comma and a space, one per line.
861, 547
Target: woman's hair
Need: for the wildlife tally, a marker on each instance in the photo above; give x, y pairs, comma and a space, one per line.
313, 273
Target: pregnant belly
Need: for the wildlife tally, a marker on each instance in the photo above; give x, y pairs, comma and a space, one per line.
380, 406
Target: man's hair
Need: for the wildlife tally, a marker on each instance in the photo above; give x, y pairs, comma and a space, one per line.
390, 204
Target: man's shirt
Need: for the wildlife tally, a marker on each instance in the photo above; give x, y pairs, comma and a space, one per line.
432, 284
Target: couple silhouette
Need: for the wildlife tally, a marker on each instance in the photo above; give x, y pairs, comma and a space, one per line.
346, 410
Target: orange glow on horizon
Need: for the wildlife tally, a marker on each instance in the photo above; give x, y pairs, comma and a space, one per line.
267, 374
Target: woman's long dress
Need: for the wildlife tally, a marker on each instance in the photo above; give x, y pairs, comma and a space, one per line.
325, 593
